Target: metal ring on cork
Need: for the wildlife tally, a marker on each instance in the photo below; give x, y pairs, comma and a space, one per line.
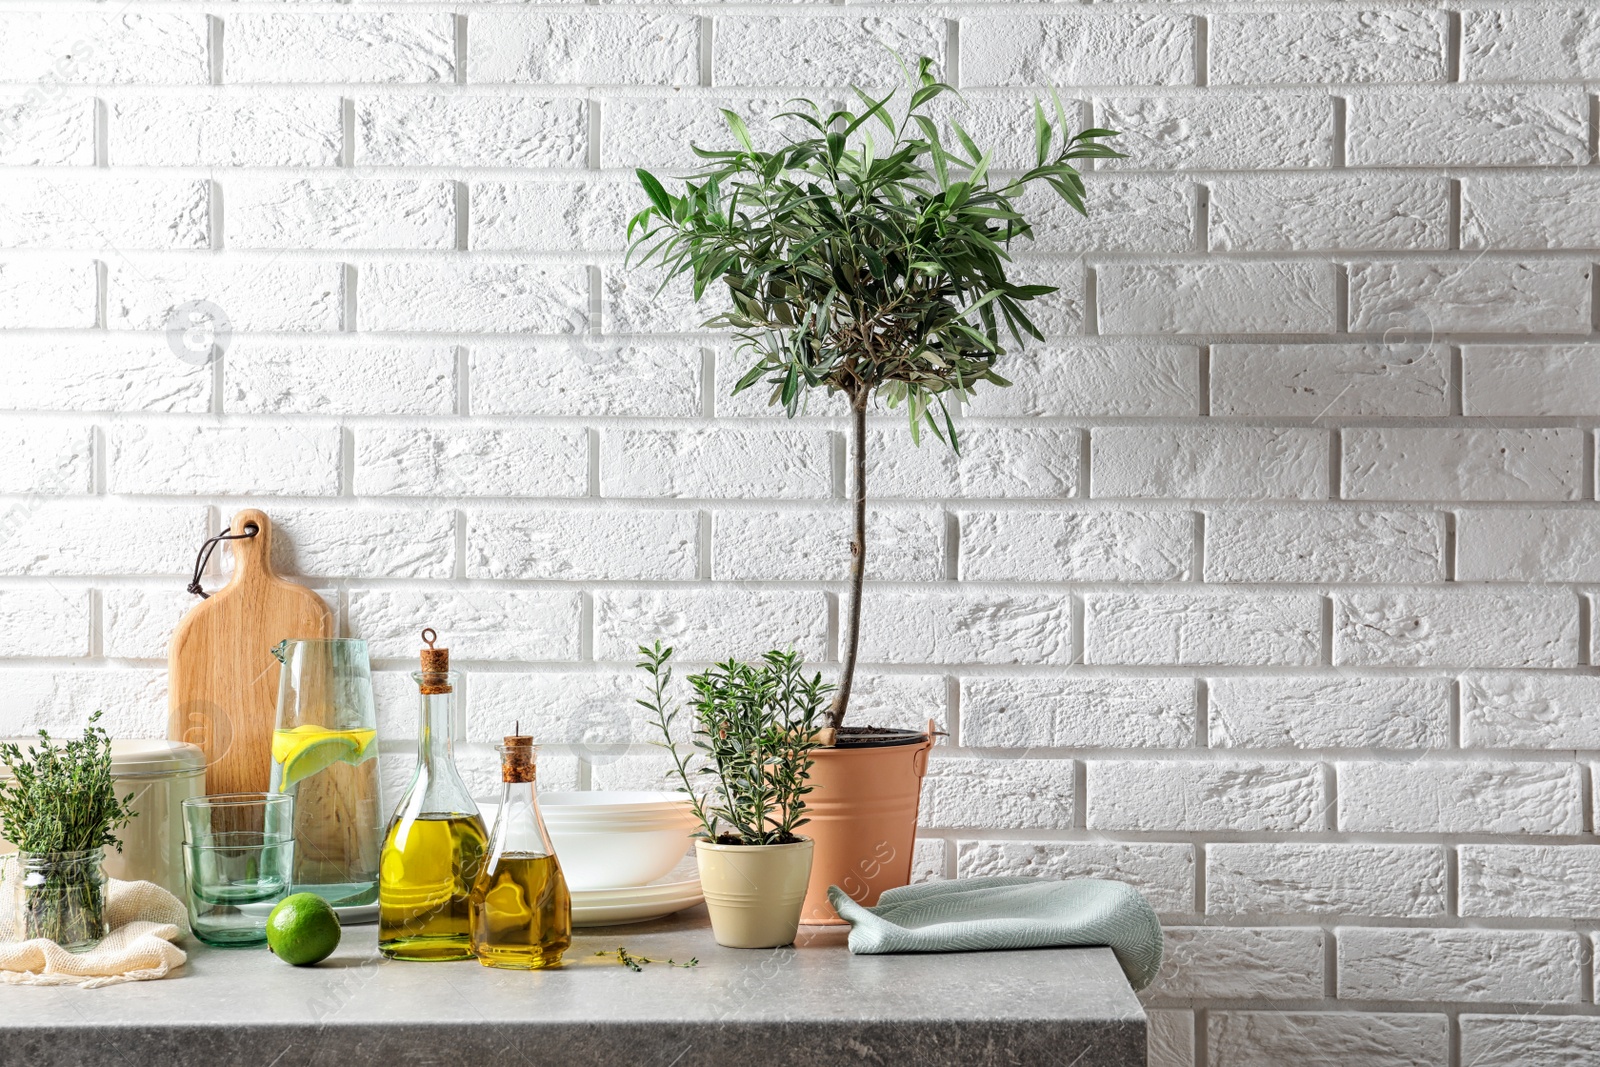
435, 665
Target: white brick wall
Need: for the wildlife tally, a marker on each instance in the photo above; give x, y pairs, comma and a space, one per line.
1270, 587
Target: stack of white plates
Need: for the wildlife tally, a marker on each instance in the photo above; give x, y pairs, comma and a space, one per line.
617, 850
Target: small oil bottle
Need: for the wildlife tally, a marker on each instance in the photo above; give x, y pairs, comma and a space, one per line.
521, 910
435, 845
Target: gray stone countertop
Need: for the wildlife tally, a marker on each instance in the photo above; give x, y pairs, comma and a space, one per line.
812, 1004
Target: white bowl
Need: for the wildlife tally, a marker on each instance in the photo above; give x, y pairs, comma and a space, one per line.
615, 840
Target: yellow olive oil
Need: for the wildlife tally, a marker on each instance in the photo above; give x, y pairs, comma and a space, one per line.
426, 874
521, 913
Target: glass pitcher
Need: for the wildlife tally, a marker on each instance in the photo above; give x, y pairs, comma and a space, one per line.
325, 755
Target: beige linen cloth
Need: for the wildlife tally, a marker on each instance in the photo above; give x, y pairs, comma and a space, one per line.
145, 920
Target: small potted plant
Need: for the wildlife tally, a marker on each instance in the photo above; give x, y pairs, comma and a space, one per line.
869, 258
753, 731
61, 810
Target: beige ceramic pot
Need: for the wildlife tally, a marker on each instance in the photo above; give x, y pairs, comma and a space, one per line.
754, 892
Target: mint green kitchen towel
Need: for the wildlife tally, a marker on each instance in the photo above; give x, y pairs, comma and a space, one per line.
975, 914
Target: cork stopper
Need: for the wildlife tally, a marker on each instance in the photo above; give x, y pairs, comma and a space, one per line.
435, 665
517, 757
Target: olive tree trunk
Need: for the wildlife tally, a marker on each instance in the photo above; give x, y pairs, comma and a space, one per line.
858, 553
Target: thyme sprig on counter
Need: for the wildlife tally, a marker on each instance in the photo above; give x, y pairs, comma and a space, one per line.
636, 963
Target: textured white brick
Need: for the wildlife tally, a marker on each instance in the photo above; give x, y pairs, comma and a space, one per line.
1035, 461
57, 537
583, 48
1169, 1038
1220, 130
299, 379
554, 216
828, 50
1301, 545
93, 213
1316, 212
1061, 312
1334, 380
517, 461
575, 545
966, 628
138, 622
39, 128
1251, 48
44, 459
61, 700
928, 860
1413, 463
1087, 48
709, 624
100, 374
560, 709
1478, 966
1505, 544
1054, 712
367, 47
1421, 796
1477, 294
716, 463
587, 378
1383, 880
658, 132
45, 622
91, 48
1520, 881
1090, 546
460, 130
1328, 1039
1529, 1040
1533, 43
1202, 628
358, 541
1530, 379
1502, 211
1219, 462
481, 624
1222, 297
1274, 963
339, 213
1164, 873
1000, 120
1153, 214
1019, 794
1468, 628
474, 296
143, 293
632, 301
1463, 126
52, 293
176, 459
900, 701
903, 545
1553, 711
225, 128
1194, 795
1110, 380
1329, 711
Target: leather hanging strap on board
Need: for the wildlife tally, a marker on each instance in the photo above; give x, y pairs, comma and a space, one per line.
222, 676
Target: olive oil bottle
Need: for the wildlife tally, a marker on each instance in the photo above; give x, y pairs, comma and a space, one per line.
521, 910
434, 849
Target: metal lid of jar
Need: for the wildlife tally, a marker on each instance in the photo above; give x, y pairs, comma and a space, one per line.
139, 758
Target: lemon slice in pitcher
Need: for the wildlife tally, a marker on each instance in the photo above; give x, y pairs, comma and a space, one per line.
308, 750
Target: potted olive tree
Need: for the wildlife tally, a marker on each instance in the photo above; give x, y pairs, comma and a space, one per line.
867, 257
754, 729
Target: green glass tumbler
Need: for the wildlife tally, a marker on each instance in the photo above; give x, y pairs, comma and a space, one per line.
238, 857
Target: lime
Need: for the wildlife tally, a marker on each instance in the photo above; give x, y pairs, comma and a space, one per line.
302, 929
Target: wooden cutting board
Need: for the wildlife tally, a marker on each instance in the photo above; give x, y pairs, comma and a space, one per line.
222, 676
